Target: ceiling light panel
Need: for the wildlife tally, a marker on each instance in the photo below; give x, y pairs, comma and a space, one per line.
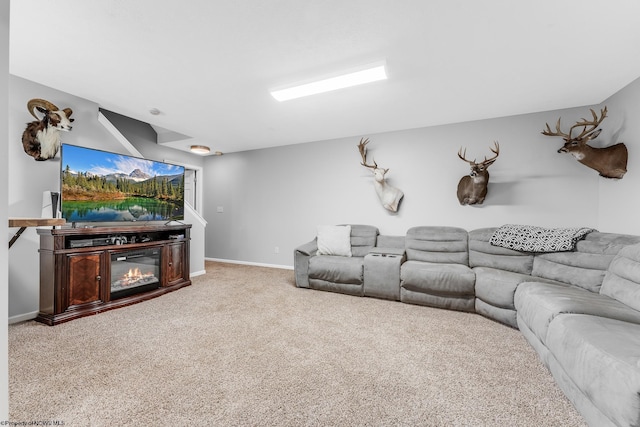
371, 74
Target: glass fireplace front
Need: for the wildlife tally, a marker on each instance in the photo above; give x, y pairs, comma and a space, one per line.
134, 271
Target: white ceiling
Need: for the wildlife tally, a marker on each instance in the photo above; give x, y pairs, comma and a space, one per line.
208, 65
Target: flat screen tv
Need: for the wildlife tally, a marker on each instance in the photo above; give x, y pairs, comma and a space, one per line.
99, 186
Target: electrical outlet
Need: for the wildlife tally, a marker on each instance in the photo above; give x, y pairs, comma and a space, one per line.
220, 209
276, 250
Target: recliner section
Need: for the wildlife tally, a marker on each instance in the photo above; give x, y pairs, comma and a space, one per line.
448, 267
335, 273
579, 309
437, 271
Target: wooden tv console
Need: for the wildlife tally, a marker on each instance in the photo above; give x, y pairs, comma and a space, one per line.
75, 267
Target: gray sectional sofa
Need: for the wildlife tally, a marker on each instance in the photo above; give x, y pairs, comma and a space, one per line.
579, 308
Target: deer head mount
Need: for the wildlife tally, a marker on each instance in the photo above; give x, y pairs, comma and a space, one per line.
389, 196
610, 161
472, 188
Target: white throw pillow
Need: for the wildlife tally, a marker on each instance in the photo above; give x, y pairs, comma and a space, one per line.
334, 240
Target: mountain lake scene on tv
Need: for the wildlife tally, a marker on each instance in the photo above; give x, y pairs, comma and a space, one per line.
101, 186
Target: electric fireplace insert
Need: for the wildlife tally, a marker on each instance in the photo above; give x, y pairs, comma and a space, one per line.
134, 271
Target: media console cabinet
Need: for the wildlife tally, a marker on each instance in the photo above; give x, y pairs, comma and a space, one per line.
84, 271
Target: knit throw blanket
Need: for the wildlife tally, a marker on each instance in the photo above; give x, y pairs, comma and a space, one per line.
528, 238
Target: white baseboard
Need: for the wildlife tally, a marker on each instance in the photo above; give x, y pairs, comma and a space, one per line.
23, 317
256, 264
198, 273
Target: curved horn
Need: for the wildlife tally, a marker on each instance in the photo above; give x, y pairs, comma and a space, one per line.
37, 102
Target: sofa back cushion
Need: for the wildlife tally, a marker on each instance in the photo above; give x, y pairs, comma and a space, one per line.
483, 254
575, 268
622, 280
388, 241
363, 239
606, 243
448, 245
587, 264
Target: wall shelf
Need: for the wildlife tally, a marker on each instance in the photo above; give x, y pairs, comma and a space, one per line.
23, 223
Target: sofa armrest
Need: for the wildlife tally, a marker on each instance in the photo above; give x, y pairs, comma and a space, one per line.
309, 248
382, 272
301, 256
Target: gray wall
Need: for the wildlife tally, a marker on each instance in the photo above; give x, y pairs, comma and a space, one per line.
28, 179
4, 177
276, 197
619, 205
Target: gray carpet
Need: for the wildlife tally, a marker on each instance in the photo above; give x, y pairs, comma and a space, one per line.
244, 347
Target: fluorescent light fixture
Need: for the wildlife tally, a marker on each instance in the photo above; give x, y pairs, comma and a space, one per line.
368, 75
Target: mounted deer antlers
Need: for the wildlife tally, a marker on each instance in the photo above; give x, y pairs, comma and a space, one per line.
610, 161
389, 196
362, 147
472, 188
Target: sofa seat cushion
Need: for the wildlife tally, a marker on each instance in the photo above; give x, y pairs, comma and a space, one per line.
539, 303
437, 279
507, 316
602, 358
336, 269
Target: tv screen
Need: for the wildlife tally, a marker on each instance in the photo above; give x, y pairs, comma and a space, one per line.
98, 186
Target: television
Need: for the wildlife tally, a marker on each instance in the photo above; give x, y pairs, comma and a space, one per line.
99, 186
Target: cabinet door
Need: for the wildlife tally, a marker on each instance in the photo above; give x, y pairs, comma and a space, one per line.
84, 279
174, 264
